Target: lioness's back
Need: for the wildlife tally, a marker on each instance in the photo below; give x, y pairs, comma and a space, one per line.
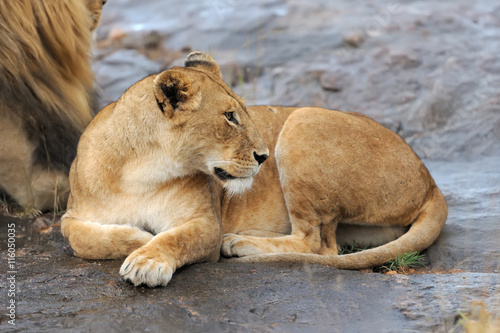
376, 171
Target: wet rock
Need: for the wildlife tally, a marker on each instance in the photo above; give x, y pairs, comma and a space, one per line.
332, 81
57, 291
117, 71
405, 59
438, 294
490, 64
469, 240
354, 40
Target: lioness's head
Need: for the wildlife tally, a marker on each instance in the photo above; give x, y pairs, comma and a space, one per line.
213, 127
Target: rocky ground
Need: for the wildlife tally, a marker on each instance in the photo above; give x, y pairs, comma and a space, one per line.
56, 291
427, 70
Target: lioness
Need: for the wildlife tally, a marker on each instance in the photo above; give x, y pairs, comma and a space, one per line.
46, 95
177, 153
148, 165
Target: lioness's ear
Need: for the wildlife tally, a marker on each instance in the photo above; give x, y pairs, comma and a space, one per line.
173, 91
203, 61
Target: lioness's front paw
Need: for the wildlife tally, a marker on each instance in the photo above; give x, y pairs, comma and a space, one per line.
238, 246
153, 269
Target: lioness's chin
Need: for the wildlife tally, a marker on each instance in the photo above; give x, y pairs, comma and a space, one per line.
233, 184
238, 185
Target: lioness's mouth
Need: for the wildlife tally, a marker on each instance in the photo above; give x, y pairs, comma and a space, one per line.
222, 174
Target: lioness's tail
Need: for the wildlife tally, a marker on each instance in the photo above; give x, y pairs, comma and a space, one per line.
421, 235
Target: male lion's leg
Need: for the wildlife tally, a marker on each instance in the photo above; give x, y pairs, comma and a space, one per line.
15, 161
32, 186
49, 188
92, 240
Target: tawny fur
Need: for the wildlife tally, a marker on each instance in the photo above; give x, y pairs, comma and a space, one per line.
331, 169
334, 178
45, 96
160, 176
144, 182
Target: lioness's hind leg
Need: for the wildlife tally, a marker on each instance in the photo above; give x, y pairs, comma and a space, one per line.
92, 240
310, 196
239, 246
309, 235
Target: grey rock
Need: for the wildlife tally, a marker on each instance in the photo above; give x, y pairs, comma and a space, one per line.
470, 238
117, 71
404, 58
59, 292
332, 81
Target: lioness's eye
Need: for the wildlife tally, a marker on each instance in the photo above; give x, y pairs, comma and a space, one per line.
230, 117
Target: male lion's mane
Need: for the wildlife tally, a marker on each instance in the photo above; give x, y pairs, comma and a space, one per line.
45, 76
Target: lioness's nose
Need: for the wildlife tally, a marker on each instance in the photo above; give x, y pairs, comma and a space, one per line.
260, 158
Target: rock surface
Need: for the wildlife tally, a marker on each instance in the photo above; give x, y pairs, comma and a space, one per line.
428, 70
58, 292
470, 237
